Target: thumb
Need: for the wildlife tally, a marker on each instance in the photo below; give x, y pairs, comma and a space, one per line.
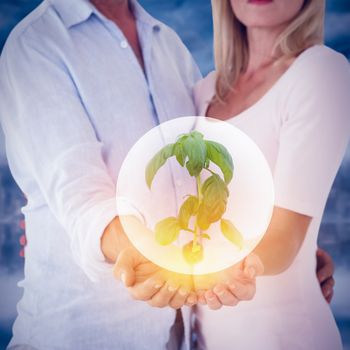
125, 265
253, 266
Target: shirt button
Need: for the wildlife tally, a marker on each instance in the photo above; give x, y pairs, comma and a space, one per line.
124, 44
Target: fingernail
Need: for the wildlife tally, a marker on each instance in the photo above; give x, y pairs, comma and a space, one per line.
218, 290
158, 285
210, 295
191, 300
171, 288
123, 277
201, 301
321, 276
232, 286
183, 292
251, 272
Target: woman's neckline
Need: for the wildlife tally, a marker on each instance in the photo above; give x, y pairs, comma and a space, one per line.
269, 92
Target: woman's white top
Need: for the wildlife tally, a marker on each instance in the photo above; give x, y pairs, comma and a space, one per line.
302, 125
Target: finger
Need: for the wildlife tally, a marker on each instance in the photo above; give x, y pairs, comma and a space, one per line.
319, 252
212, 300
191, 299
323, 255
204, 282
164, 295
22, 225
327, 287
253, 266
22, 240
242, 291
225, 296
146, 290
323, 258
124, 267
180, 298
329, 298
325, 267
325, 273
201, 297
329, 283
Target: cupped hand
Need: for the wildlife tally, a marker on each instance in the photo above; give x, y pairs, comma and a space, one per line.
150, 283
325, 271
230, 286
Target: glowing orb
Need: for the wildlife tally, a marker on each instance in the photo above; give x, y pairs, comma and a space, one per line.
249, 204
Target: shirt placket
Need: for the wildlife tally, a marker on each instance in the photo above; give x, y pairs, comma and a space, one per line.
145, 37
146, 32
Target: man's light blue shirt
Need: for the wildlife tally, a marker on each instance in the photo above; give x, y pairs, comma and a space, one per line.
73, 101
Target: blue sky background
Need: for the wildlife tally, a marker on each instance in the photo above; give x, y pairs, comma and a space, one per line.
192, 20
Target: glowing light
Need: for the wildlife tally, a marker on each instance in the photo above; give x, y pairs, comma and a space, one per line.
249, 205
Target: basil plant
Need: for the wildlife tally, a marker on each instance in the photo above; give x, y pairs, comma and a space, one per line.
208, 205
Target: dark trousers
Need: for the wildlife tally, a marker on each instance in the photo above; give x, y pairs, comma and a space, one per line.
176, 334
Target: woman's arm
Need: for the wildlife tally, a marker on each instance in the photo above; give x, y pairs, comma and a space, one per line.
282, 240
276, 252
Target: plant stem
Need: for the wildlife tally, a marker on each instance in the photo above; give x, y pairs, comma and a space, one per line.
197, 231
198, 180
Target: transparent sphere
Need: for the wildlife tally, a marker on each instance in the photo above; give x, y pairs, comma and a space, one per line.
223, 218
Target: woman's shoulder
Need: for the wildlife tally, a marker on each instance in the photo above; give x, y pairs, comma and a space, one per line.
319, 82
317, 71
204, 91
319, 62
325, 53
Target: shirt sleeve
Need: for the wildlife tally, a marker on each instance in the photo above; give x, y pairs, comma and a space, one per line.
188, 67
314, 134
203, 93
44, 117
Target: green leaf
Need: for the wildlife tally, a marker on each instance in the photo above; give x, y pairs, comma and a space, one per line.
180, 138
157, 162
214, 201
205, 235
167, 230
179, 153
219, 155
203, 217
196, 248
213, 188
191, 255
188, 208
195, 149
229, 230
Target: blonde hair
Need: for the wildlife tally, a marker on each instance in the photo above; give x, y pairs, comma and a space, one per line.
231, 43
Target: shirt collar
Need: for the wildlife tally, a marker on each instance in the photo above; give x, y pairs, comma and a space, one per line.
74, 12
142, 15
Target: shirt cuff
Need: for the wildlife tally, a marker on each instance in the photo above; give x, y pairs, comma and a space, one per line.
93, 261
299, 206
